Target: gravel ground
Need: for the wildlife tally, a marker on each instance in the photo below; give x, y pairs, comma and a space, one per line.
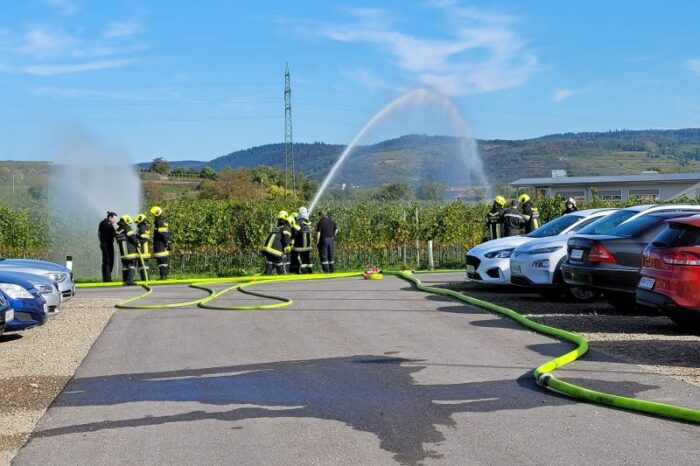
36, 364
644, 338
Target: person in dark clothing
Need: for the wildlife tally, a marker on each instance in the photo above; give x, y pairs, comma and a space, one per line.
326, 230
128, 244
570, 206
275, 245
162, 242
513, 221
143, 235
301, 252
529, 213
494, 218
106, 234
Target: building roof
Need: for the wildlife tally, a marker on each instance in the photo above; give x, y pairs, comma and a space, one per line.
587, 180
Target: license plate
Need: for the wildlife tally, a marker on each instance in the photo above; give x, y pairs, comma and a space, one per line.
577, 254
470, 269
515, 269
646, 283
9, 315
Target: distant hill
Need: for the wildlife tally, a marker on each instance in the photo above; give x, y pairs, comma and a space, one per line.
417, 158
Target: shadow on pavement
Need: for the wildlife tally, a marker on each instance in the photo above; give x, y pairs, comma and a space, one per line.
374, 394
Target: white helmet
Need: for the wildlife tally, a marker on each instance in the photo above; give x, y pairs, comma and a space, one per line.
571, 201
303, 213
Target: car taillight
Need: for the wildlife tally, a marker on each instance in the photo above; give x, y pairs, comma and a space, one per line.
600, 253
681, 258
646, 257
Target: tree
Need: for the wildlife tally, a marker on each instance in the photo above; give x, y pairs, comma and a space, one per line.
153, 191
400, 191
160, 166
430, 191
207, 173
232, 184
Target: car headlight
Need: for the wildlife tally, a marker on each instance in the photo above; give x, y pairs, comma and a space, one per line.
546, 250
541, 264
500, 254
57, 276
15, 291
44, 289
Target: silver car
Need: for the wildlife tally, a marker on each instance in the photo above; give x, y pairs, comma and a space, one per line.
60, 274
48, 289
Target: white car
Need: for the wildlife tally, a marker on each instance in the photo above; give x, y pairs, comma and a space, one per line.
537, 263
489, 262
56, 272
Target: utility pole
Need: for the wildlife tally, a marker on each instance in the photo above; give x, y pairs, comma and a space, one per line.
288, 141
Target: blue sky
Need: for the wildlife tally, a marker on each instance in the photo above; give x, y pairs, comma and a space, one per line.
195, 80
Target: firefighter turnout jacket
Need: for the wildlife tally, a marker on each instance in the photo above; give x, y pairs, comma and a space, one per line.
531, 216
494, 220
278, 240
302, 239
161, 238
513, 221
126, 240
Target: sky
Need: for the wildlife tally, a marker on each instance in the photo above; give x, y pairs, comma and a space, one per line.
196, 80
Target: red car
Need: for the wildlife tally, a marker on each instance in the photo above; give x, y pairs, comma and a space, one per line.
670, 273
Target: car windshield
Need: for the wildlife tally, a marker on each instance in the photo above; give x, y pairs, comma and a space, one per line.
636, 226
605, 224
555, 227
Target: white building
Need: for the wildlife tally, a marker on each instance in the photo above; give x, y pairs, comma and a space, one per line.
647, 186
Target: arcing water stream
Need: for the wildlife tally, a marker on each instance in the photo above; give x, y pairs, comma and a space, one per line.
475, 170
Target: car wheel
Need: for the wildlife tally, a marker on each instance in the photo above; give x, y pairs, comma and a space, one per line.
685, 319
581, 295
621, 301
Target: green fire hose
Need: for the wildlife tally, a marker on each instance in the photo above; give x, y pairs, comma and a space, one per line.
543, 373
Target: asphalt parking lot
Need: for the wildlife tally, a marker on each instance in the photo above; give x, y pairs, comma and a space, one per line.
354, 372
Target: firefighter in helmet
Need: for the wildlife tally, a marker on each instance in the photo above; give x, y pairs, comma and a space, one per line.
128, 248
494, 217
162, 242
294, 229
570, 206
513, 220
143, 235
275, 245
529, 213
301, 252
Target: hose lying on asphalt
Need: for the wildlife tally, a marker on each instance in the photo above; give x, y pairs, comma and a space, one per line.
543, 373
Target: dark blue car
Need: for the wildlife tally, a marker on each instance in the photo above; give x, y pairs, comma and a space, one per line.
29, 306
6, 313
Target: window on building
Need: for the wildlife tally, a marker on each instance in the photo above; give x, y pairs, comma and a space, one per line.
609, 195
578, 195
645, 194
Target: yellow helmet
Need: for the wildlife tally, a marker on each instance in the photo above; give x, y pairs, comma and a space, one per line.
523, 198
500, 200
127, 219
292, 219
140, 218
282, 215
157, 211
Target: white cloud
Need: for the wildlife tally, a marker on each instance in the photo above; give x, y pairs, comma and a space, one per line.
562, 94
122, 28
693, 65
480, 54
368, 79
66, 7
41, 42
55, 69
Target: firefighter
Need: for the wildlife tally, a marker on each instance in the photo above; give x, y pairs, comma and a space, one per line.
128, 244
162, 242
513, 220
301, 252
294, 229
494, 217
530, 213
326, 230
143, 235
570, 206
275, 245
